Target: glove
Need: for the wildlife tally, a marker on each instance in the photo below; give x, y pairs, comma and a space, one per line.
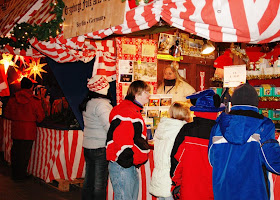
125, 159
176, 192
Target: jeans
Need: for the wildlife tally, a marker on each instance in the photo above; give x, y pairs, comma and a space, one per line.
96, 177
125, 182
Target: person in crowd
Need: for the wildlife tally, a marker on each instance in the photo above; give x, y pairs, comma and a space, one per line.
24, 109
165, 135
242, 149
96, 108
219, 64
190, 169
174, 84
127, 147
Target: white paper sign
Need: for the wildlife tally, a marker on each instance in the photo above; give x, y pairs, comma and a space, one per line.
234, 75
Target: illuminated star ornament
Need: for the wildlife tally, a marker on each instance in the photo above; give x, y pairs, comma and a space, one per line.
35, 68
7, 61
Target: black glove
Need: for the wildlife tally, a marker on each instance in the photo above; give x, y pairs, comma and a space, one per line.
125, 159
176, 192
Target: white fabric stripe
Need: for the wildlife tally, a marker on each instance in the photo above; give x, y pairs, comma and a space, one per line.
140, 183
197, 144
78, 153
142, 151
110, 190
148, 178
271, 186
129, 119
221, 139
122, 149
267, 160
209, 155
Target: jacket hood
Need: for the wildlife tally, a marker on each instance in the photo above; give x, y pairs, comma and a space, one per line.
168, 127
237, 129
24, 96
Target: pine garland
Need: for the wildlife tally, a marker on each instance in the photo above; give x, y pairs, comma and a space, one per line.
23, 32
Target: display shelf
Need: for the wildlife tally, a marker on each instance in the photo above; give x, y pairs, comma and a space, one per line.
267, 104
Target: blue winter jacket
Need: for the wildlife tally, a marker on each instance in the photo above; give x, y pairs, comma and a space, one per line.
239, 146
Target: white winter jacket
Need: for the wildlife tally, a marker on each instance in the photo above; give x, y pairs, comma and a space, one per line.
179, 93
164, 138
96, 123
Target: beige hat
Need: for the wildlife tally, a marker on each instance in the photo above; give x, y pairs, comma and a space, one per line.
98, 84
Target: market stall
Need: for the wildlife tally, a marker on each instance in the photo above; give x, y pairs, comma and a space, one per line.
57, 154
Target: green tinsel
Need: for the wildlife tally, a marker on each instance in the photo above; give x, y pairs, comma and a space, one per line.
23, 32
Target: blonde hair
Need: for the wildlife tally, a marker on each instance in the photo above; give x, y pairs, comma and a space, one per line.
180, 110
178, 79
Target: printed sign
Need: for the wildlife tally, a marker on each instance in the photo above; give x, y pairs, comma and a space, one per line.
86, 16
234, 75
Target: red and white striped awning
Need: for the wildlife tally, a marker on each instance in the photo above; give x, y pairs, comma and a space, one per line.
248, 21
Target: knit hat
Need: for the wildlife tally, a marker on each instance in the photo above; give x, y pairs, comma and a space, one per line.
223, 60
245, 94
98, 84
206, 101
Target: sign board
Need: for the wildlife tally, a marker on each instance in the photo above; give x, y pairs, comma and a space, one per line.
86, 16
234, 75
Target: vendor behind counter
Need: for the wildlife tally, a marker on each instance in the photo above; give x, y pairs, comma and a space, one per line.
174, 84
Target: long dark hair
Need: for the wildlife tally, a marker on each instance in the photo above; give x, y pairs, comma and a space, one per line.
93, 95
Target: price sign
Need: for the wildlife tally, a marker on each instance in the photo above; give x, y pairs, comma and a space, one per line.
234, 75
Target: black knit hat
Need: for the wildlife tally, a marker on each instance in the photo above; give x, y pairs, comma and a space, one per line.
245, 94
26, 83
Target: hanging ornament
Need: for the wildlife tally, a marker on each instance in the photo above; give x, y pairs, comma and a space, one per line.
7, 61
24, 60
20, 76
35, 68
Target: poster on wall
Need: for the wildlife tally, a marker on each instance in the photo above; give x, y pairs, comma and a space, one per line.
136, 60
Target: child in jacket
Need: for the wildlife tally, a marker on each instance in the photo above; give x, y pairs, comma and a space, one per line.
165, 135
192, 177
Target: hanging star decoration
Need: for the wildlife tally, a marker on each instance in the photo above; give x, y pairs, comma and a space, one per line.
23, 60
7, 61
35, 68
20, 76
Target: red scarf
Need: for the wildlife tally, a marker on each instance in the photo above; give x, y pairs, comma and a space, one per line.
207, 115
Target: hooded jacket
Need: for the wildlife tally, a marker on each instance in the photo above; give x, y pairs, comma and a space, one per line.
165, 135
24, 109
241, 143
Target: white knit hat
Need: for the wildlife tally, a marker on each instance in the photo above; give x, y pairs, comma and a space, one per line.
98, 84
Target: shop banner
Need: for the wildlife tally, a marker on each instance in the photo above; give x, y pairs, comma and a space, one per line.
85, 16
136, 60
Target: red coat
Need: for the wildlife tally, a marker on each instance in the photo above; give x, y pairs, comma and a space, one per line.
193, 172
24, 109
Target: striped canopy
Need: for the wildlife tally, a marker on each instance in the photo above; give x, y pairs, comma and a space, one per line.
247, 21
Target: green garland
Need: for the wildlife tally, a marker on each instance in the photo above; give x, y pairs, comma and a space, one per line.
23, 32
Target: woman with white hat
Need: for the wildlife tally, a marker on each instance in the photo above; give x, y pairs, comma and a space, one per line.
96, 108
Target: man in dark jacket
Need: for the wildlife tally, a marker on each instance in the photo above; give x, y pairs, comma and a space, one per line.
24, 109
